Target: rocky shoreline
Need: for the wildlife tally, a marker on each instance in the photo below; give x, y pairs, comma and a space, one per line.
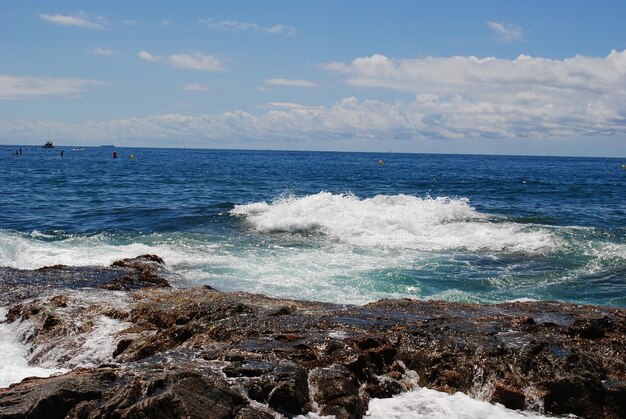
198, 352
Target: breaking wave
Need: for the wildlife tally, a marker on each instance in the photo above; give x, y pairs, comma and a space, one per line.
396, 221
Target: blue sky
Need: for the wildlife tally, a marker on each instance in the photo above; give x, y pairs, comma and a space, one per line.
505, 77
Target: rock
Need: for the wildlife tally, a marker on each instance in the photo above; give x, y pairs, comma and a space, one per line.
53, 397
336, 391
183, 352
509, 396
291, 393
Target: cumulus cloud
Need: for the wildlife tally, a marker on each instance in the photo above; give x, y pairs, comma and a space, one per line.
233, 25
425, 117
81, 19
195, 61
485, 76
456, 98
145, 55
291, 83
16, 87
105, 52
470, 96
506, 32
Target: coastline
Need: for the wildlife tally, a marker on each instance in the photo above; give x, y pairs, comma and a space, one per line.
177, 350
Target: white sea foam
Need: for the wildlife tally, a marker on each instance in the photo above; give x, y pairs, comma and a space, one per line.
340, 248
89, 350
396, 221
431, 404
14, 360
29, 251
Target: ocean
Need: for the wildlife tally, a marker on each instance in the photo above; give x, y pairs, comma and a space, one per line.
339, 227
347, 228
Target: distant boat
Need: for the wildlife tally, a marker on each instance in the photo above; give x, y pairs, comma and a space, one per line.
48, 144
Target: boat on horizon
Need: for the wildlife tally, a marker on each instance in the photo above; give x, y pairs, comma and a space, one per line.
48, 144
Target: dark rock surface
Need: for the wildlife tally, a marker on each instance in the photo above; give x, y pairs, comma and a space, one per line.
198, 352
127, 274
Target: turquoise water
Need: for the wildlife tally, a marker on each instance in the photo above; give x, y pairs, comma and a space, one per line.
328, 226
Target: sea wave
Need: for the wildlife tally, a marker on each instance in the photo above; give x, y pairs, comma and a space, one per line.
432, 404
396, 221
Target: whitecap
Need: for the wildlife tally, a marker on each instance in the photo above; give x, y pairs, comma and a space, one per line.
396, 221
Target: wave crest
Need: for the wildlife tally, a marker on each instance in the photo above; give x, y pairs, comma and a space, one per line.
395, 221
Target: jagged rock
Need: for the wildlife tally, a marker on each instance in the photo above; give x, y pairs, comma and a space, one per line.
509, 396
129, 274
54, 397
291, 392
178, 344
336, 389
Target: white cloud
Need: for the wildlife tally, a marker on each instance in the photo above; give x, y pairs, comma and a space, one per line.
455, 98
579, 75
196, 87
195, 61
105, 52
145, 55
166, 23
80, 19
423, 118
506, 32
233, 25
291, 83
287, 105
16, 87
468, 96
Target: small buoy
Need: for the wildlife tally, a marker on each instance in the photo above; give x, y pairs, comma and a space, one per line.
380, 162
115, 154
132, 157
623, 166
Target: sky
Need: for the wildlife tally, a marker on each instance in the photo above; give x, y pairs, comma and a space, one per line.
488, 77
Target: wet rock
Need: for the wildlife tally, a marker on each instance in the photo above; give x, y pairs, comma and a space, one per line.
147, 268
183, 350
58, 267
282, 311
252, 368
291, 393
590, 328
143, 271
111, 393
336, 390
509, 396
250, 412
53, 397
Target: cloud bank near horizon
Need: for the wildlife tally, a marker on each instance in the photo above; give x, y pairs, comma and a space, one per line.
454, 98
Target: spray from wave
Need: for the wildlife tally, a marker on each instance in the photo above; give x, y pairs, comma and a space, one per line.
345, 249
396, 221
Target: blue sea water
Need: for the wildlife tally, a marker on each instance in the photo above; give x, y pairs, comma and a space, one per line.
327, 226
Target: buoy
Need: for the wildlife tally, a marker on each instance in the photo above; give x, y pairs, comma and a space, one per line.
380, 162
623, 166
115, 154
132, 157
